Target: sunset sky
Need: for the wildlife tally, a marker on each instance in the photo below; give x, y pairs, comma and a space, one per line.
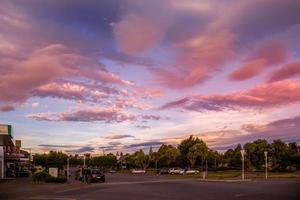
120, 75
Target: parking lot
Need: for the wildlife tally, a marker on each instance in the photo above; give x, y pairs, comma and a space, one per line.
128, 186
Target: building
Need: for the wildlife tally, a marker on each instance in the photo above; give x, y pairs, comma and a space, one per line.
12, 158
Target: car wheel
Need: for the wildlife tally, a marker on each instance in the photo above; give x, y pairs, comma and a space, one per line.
103, 179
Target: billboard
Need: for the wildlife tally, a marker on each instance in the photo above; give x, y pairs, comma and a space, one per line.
6, 130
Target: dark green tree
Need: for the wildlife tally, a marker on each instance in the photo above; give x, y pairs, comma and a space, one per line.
255, 153
184, 148
278, 153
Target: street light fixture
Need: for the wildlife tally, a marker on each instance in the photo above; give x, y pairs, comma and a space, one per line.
266, 163
243, 167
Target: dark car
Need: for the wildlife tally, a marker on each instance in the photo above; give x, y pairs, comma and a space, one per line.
90, 175
164, 171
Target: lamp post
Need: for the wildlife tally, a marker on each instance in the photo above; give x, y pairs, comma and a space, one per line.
243, 167
83, 161
83, 169
68, 168
266, 163
206, 171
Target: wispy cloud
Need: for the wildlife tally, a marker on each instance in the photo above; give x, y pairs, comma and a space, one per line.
262, 96
118, 136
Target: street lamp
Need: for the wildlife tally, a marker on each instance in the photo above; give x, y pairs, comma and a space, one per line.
68, 168
243, 158
266, 163
83, 161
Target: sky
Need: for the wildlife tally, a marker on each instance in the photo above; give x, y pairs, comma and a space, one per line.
120, 75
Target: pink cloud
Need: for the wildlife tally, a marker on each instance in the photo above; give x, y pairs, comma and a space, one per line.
7, 108
262, 96
118, 136
108, 115
137, 33
151, 117
273, 52
197, 58
46, 65
248, 70
287, 71
268, 54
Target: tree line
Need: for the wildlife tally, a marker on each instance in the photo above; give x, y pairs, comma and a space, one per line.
191, 153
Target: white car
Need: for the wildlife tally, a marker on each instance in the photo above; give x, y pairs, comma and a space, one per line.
175, 171
138, 171
189, 171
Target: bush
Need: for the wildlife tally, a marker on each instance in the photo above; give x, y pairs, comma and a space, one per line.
40, 176
60, 179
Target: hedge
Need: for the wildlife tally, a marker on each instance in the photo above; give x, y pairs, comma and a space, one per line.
45, 177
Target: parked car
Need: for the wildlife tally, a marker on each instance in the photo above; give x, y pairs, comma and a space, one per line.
138, 171
38, 168
90, 175
189, 171
164, 171
112, 171
175, 170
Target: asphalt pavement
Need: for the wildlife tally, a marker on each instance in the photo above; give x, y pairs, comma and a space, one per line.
144, 187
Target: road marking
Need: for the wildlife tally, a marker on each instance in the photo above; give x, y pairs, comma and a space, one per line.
125, 183
54, 198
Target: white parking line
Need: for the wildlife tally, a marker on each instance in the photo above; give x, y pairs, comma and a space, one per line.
45, 198
125, 183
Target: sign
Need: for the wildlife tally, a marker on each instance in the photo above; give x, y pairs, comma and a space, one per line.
18, 143
53, 172
5, 130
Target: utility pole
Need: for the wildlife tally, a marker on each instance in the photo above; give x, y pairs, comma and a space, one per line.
243, 167
266, 163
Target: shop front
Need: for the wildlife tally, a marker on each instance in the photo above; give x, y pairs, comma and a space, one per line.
7, 147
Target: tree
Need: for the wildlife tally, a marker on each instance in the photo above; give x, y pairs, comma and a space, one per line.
106, 161
40, 159
213, 159
233, 158
255, 153
184, 148
197, 150
56, 159
141, 159
155, 158
278, 151
293, 156
168, 154
150, 151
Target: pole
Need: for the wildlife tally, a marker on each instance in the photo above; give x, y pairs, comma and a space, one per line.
243, 167
83, 161
83, 171
206, 171
68, 168
266, 163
